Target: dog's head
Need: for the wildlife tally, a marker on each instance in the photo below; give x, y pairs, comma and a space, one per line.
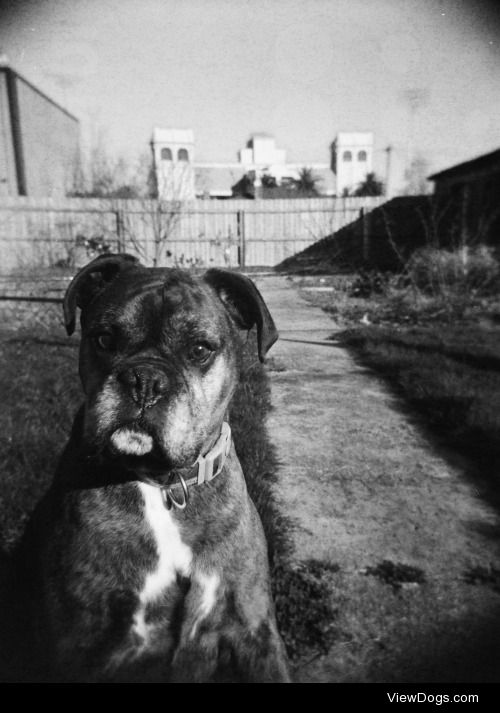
159, 356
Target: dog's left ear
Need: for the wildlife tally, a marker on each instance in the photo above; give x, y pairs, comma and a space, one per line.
245, 304
90, 280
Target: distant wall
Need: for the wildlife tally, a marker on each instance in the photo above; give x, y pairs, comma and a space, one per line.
39, 141
8, 177
50, 143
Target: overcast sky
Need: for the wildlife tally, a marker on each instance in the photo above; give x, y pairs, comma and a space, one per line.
423, 75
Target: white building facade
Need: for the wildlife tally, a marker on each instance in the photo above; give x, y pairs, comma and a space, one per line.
173, 160
179, 178
352, 159
263, 158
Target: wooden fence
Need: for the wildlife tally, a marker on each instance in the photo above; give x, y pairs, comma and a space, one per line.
38, 233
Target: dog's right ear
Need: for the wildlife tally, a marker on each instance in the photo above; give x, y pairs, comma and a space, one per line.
245, 304
90, 280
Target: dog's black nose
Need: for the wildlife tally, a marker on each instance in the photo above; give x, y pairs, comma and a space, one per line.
145, 383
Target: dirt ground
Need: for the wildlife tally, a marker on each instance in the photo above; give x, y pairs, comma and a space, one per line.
365, 484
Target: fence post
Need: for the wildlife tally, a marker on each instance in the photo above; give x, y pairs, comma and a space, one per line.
241, 233
120, 230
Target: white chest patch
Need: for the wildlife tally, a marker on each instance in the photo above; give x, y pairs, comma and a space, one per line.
174, 557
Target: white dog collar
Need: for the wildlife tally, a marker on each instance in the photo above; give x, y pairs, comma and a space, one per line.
206, 468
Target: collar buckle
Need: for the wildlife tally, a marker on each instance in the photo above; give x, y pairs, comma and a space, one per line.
209, 467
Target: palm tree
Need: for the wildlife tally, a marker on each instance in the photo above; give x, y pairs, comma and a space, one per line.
371, 186
306, 182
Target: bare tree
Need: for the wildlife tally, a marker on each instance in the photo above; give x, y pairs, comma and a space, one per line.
148, 229
102, 175
143, 222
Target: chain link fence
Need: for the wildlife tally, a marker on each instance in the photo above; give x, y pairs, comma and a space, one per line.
32, 314
32, 304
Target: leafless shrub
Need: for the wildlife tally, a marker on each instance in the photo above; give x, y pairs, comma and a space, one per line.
440, 272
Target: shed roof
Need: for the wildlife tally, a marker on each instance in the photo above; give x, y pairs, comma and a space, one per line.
477, 167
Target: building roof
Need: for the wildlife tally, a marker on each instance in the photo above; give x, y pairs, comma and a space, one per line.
477, 167
217, 180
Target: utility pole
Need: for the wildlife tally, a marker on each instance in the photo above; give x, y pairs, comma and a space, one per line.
415, 98
388, 151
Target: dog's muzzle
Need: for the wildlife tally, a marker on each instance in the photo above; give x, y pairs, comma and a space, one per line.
145, 383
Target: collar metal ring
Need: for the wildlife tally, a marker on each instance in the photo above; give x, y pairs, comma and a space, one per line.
169, 499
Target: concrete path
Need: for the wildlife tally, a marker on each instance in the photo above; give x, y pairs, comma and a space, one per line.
363, 485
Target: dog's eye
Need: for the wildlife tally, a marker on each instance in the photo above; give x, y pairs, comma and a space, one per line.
200, 352
105, 342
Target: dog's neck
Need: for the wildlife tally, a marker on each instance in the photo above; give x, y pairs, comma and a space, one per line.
73, 470
205, 469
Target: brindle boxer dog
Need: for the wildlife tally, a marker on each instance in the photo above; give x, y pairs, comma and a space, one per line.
147, 559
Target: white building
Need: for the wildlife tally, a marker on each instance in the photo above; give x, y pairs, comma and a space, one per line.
180, 178
173, 160
263, 158
259, 157
352, 159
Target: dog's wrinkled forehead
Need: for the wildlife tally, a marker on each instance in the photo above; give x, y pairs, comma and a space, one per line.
148, 298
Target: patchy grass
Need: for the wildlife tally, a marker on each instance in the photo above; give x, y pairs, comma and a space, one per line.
398, 305
41, 393
487, 576
303, 609
396, 574
39, 398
